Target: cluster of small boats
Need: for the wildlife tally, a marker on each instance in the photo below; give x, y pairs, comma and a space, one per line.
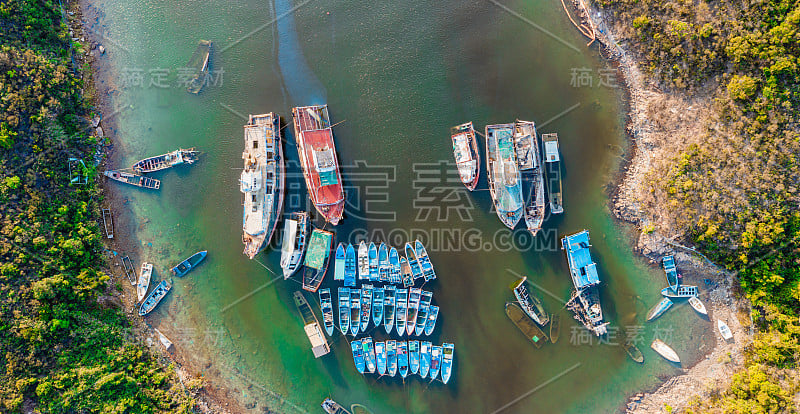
404, 357
381, 263
675, 291
153, 164
151, 301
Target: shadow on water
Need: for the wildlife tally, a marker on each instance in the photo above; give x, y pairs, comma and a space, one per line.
303, 86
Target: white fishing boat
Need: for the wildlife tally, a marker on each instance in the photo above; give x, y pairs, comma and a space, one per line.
293, 246
143, 284
363, 261
665, 351
724, 330
697, 305
164, 340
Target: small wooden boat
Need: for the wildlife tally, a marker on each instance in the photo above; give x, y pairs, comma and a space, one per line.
555, 327
430, 324
448, 352
424, 261
424, 358
391, 357
724, 330
338, 264
389, 293
332, 407
406, 276
317, 258
350, 266
319, 345
414, 297
670, 271
697, 305
682, 291
531, 304
373, 262
380, 356
326, 305
366, 306
358, 355
164, 340
413, 356
369, 354
378, 300
155, 297
383, 263
436, 361
344, 310
108, 223
659, 308
402, 358
130, 273
164, 161
411, 255
355, 311
133, 179
525, 324
189, 264
363, 261
422, 314
145, 274
394, 266
293, 245
201, 63
401, 312
634, 352
465, 151
665, 351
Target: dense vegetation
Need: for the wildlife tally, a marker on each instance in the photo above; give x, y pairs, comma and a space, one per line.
60, 349
734, 191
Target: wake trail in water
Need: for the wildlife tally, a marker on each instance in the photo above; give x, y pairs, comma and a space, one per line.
299, 80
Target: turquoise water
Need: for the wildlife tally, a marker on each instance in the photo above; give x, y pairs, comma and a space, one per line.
396, 76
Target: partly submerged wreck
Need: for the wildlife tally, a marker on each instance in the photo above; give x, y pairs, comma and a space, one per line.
201, 63
133, 179
505, 182
585, 300
319, 345
164, 161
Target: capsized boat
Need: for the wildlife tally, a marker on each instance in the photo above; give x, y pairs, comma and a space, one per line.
317, 258
394, 266
448, 352
130, 272
526, 146
422, 314
505, 181
391, 357
670, 271
366, 306
525, 324
201, 63
552, 161
413, 356
332, 407
108, 223
319, 345
465, 151
373, 262
358, 355
155, 297
414, 297
436, 361
326, 306
424, 358
682, 291
389, 293
697, 305
350, 266
164, 340
634, 352
293, 245
401, 311
383, 263
424, 261
344, 310
411, 255
317, 151
380, 356
363, 261
143, 284
555, 327
338, 264
164, 161
377, 305
402, 358
724, 330
355, 311
369, 354
531, 304
261, 181
406, 275
665, 351
659, 308
189, 264
585, 300
133, 179
430, 323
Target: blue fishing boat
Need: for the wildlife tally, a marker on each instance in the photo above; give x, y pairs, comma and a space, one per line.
585, 300
377, 305
414, 296
383, 263
389, 303
436, 361
326, 305
671, 271
338, 264
154, 298
401, 311
344, 310
394, 266
402, 358
505, 181
363, 261
189, 264
424, 261
413, 356
355, 310
424, 358
411, 255
422, 314
406, 276
369, 354
380, 356
358, 355
373, 263
391, 357
659, 309
350, 266
430, 324
448, 352
682, 291
366, 306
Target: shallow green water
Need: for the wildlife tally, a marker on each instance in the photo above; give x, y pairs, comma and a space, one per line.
397, 76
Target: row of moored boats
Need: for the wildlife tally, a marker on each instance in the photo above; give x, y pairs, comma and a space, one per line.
403, 357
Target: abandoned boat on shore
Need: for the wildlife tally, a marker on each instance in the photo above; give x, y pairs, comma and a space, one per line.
189, 264
317, 258
261, 181
318, 159
531, 304
293, 246
164, 161
552, 171
502, 170
133, 179
585, 300
665, 351
526, 145
143, 284
319, 345
671, 271
659, 309
682, 291
697, 305
465, 151
155, 297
